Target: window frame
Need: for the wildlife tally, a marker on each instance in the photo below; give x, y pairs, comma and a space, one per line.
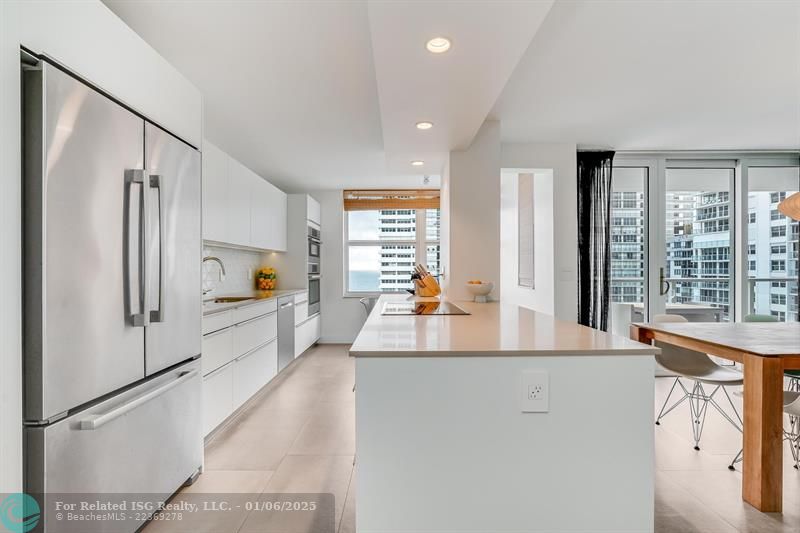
420, 244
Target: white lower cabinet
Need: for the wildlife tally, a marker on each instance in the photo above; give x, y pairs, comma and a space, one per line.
217, 397
217, 349
253, 333
237, 360
253, 370
306, 334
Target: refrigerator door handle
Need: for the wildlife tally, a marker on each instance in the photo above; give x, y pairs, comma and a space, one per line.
96, 421
142, 318
157, 315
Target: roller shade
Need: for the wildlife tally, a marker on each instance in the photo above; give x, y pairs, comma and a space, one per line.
368, 200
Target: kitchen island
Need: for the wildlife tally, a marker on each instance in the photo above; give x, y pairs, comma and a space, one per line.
501, 420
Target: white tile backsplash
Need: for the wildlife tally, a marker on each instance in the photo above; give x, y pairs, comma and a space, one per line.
237, 264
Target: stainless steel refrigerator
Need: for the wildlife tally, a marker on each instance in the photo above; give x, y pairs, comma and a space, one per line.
112, 306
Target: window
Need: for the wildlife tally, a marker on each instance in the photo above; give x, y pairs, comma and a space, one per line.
752, 218
384, 245
778, 266
778, 249
773, 283
778, 299
777, 231
699, 239
628, 266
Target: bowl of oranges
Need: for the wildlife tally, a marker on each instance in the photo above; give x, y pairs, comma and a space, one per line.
480, 289
266, 279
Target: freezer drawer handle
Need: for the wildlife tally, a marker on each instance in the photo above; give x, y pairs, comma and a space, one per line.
158, 314
98, 420
141, 319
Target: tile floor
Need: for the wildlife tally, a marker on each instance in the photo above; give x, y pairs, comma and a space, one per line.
297, 435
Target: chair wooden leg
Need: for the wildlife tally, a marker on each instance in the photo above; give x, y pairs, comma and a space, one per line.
762, 485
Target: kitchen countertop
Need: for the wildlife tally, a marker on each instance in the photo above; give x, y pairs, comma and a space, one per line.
492, 329
209, 308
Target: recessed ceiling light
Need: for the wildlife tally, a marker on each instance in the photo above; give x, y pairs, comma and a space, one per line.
438, 45
417, 163
425, 125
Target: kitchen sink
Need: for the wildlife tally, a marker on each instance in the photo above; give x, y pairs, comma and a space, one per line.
230, 299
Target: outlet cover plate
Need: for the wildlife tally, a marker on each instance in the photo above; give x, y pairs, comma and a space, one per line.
534, 391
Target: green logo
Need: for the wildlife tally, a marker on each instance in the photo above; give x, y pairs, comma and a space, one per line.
19, 513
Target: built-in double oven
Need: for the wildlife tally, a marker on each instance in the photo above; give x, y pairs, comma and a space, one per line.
314, 267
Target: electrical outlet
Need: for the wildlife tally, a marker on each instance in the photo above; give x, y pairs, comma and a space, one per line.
250, 274
535, 391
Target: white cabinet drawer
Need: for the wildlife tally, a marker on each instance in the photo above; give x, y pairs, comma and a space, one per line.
306, 334
164, 449
217, 397
254, 370
300, 313
240, 314
253, 333
217, 350
301, 297
217, 321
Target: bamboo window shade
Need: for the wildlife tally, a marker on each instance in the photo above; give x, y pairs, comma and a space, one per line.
369, 200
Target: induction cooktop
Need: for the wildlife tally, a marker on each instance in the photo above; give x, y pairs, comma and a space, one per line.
422, 308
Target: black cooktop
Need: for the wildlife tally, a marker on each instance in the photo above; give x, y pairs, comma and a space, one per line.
422, 308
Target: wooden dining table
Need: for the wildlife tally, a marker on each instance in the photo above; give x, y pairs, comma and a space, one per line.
766, 350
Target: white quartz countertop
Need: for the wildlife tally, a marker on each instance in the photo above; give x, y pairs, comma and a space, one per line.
209, 307
492, 329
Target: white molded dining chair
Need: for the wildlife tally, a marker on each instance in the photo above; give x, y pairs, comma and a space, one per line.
701, 370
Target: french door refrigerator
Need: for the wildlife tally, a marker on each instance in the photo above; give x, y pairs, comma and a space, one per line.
112, 306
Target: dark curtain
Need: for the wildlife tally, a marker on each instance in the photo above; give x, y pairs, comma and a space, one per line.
594, 238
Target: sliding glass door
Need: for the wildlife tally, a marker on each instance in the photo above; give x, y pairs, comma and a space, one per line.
772, 244
629, 246
700, 236
695, 279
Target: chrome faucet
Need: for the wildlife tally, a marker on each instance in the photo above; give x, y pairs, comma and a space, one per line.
221, 267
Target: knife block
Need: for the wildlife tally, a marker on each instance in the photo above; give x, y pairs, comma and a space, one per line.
427, 287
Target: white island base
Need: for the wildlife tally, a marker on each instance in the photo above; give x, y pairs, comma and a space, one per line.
442, 444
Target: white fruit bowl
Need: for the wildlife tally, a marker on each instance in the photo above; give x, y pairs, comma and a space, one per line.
480, 290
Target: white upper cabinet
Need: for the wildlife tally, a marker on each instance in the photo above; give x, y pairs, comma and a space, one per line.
278, 216
239, 206
268, 219
215, 193
260, 218
240, 186
313, 211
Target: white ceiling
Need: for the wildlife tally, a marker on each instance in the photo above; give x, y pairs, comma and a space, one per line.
455, 90
325, 93
660, 75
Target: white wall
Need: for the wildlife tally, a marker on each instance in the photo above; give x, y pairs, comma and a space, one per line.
473, 213
561, 159
541, 297
342, 317
240, 268
89, 39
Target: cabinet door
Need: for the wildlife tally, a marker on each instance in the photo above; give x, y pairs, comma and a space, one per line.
217, 397
260, 223
240, 189
278, 215
217, 350
215, 193
254, 370
313, 211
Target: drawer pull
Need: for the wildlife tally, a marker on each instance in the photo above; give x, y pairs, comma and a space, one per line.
254, 319
98, 420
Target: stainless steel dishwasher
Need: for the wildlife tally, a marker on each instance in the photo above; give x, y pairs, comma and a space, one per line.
285, 331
